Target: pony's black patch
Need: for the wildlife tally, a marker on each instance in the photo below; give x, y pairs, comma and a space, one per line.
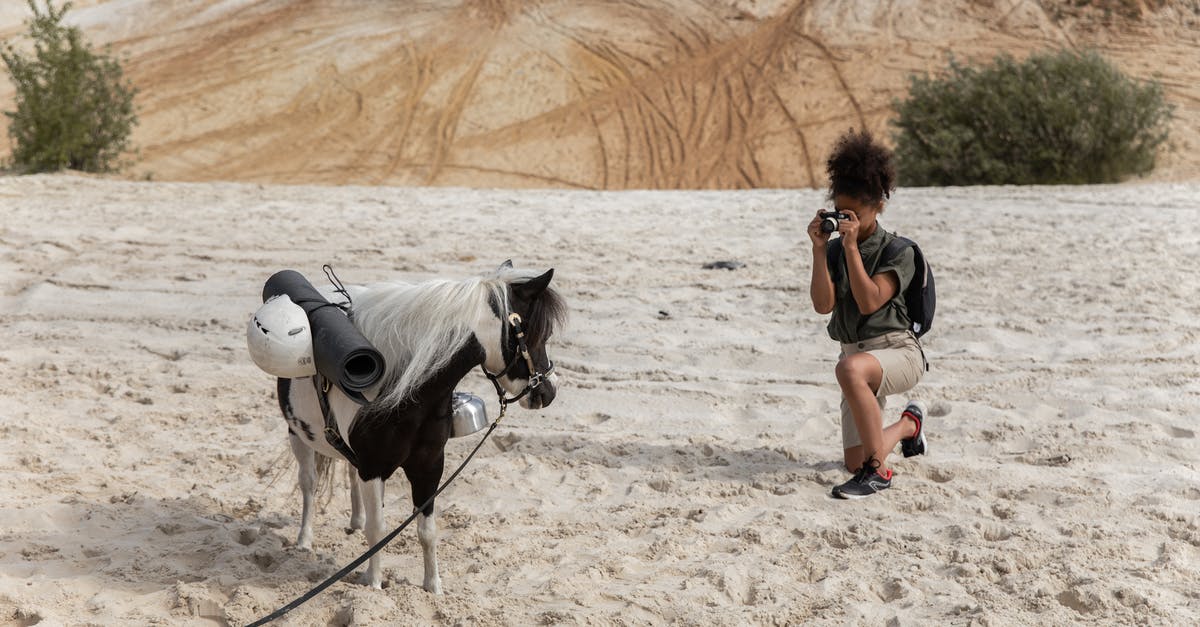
413, 435
308, 432
283, 390
542, 314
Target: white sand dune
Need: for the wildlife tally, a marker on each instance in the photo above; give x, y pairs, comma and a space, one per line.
683, 473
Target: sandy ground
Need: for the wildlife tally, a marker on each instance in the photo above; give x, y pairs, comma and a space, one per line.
590, 94
682, 475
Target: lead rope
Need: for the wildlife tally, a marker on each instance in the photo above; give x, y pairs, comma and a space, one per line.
386, 539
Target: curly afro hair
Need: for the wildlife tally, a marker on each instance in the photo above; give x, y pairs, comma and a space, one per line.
861, 168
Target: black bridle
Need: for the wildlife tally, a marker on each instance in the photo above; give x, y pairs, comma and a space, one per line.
535, 377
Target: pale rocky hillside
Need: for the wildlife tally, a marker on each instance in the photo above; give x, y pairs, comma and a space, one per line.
586, 94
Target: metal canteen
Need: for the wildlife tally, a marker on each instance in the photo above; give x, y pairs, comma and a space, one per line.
468, 416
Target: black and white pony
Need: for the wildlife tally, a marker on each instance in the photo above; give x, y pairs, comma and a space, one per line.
431, 335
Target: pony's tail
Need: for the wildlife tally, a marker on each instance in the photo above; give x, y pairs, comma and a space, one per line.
285, 466
324, 487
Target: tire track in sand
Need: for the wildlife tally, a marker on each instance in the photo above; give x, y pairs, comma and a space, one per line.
447, 122
665, 95
422, 77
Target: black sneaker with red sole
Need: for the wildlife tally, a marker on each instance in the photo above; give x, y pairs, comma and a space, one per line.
911, 447
867, 481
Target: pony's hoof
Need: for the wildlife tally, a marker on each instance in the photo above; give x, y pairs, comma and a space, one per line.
366, 579
433, 587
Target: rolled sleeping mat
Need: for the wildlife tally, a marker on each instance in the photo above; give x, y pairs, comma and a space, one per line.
340, 351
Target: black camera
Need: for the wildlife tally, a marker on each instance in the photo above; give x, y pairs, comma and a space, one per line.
829, 220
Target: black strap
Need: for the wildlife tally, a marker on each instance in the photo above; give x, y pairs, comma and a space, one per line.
833, 254
894, 247
332, 436
338, 286
535, 377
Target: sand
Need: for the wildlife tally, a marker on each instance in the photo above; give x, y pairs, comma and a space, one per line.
683, 473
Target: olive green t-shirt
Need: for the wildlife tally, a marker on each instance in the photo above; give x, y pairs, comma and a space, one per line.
847, 324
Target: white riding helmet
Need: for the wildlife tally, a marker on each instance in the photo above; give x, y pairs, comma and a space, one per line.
280, 340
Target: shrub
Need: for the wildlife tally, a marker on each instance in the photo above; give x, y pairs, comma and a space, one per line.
74, 108
1063, 117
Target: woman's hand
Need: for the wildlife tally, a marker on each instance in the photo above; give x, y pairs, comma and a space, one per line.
819, 238
849, 230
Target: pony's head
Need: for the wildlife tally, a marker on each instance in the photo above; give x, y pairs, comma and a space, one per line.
508, 314
525, 313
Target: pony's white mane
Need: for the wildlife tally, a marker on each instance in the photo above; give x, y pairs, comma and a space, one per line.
419, 327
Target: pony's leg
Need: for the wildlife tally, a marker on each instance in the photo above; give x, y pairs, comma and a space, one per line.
372, 500
427, 534
424, 484
308, 480
356, 505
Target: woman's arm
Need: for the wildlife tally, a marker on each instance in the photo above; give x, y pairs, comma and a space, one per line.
821, 287
870, 292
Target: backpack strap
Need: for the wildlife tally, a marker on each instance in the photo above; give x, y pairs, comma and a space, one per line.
833, 252
921, 270
894, 247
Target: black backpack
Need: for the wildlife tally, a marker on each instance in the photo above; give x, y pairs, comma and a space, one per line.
919, 297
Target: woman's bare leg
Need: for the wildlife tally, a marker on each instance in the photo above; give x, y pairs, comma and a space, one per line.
859, 376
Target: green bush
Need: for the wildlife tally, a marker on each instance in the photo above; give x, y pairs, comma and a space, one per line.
1064, 117
74, 108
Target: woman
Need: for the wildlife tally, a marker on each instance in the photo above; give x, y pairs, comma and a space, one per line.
880, 355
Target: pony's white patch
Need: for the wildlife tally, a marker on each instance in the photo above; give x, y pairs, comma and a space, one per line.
372, 501
419, 327
427, 533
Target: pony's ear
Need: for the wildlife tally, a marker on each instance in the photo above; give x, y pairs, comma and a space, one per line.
507, 265
531, 288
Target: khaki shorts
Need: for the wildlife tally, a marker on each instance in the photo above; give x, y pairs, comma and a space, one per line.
903, 362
